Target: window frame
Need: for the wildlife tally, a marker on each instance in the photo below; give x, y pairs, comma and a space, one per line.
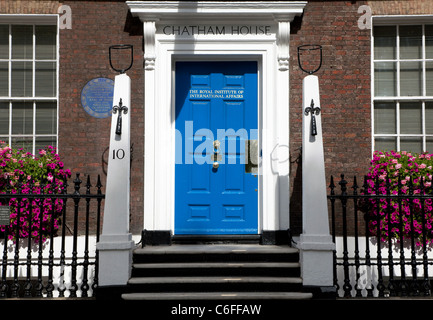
33, 20
397, 21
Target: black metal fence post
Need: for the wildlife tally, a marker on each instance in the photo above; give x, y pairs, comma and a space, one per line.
425, 284
403, 283
347, 287
414, 284
333, 229
357, 258
85, 284
28, 286
74, 287
391, 284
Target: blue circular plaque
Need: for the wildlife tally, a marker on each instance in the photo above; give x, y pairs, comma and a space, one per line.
97, 97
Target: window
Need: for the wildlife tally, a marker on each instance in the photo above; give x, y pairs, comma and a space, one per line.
28, 84
403, 87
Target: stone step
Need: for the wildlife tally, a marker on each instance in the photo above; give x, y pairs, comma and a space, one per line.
215, 268
215, 253
212, 279
214, 272
215, 284
216, 249
216, 239
218, 296
199, 265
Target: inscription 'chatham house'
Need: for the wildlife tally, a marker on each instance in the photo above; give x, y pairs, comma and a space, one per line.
181, 30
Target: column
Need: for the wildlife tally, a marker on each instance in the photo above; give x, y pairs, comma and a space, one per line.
315, 241
115, 245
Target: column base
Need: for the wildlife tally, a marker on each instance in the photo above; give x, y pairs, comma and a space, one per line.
115, 259
316, 257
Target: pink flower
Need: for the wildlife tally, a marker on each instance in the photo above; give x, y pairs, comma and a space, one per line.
389, 166
15, 164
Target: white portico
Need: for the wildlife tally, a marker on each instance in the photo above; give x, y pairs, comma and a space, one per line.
216, 31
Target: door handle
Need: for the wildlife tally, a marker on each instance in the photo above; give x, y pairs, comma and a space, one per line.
216, 156
251, 156
216, 145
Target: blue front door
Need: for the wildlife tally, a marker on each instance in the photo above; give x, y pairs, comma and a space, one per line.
216, 179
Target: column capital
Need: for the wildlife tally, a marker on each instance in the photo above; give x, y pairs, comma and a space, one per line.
283, 43
149, 30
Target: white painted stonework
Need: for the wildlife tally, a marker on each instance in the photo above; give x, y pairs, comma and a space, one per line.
115, 245
315, 241
216, 31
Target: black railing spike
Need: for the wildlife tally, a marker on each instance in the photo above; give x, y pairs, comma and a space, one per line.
410, 185
88, 185
430, 191
77, 183
31, 185
20, 184
343, 184
332, 185
399, 184
355, 185
388, 185
65, 186
376, 185
53, 186
364, 187
99, 184
8, 185
422, 185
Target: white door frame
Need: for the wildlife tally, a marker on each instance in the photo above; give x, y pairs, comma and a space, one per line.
185, 41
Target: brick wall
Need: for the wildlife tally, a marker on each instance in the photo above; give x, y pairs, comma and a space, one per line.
83, 139
344, 87
401, 7
344, 80
29, 6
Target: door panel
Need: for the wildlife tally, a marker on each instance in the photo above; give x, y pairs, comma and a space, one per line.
216, 115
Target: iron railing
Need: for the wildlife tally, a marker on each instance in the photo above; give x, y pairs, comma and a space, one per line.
67, 260
369, 264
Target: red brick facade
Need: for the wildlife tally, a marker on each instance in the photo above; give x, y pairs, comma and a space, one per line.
401, 7
29, 6
344, 80
83, 139
344, 83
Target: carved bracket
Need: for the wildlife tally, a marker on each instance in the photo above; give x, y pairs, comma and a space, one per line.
283, 42
149, 30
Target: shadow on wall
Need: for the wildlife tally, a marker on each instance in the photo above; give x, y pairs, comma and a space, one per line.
296, 194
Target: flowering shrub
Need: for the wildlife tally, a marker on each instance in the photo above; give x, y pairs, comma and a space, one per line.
408, 174
22, 172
